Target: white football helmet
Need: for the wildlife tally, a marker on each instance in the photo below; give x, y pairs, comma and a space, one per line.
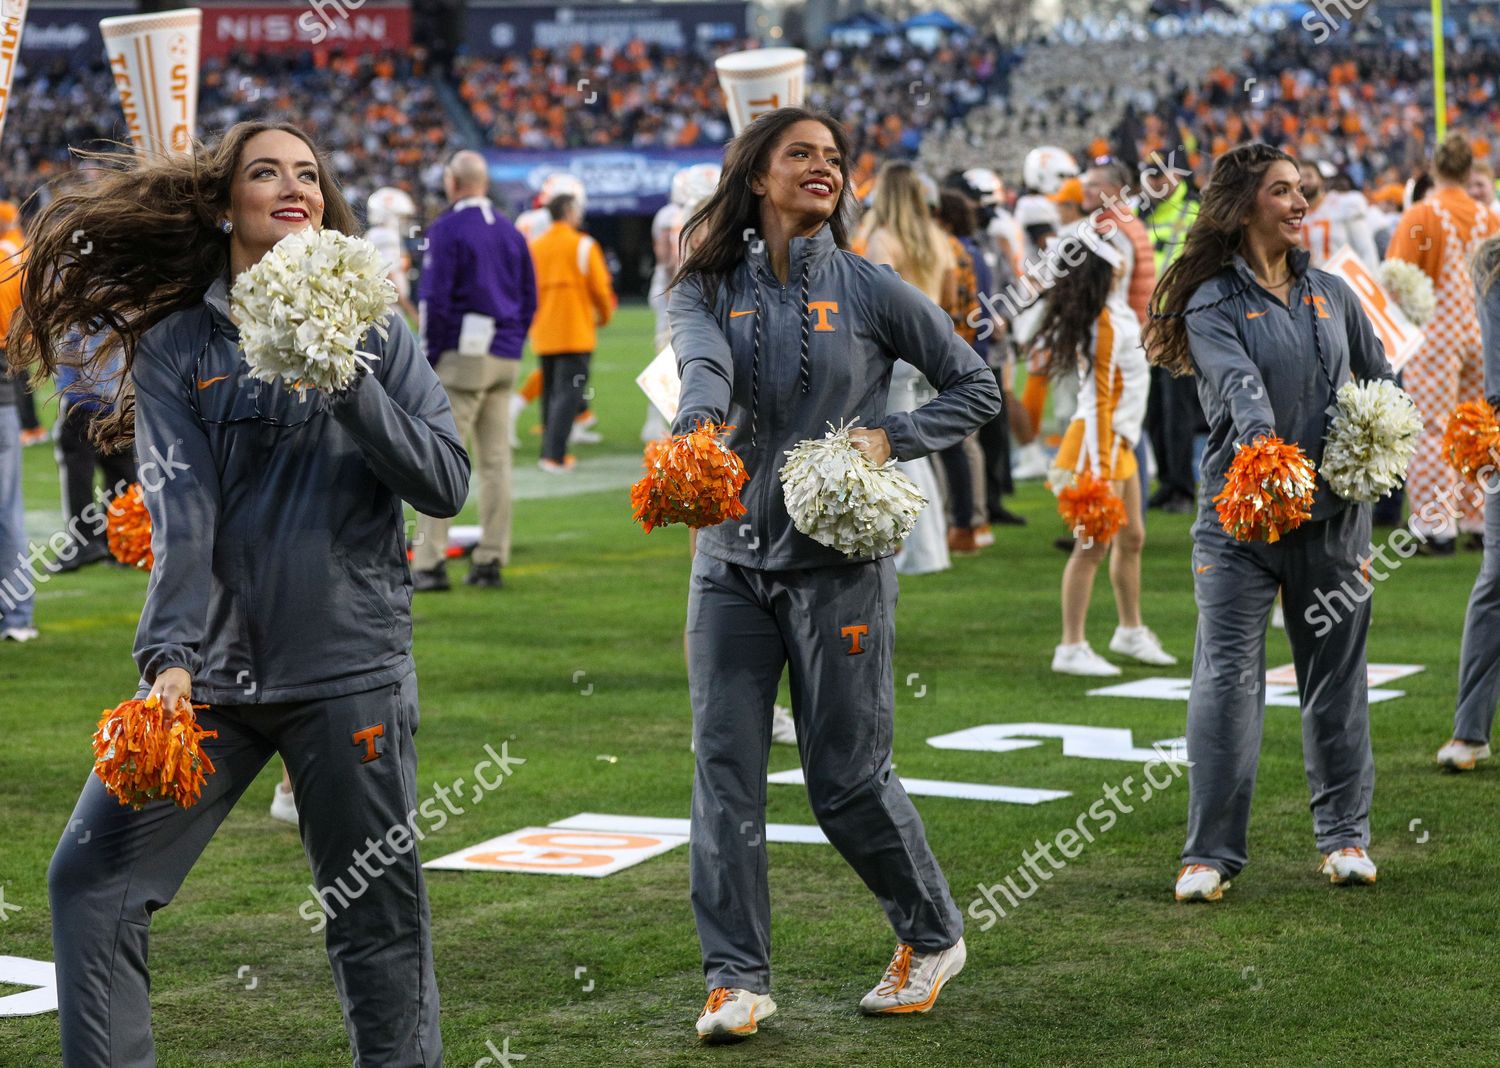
699, 181
1046, 168
679, 190
986, 184
559, 183
387, 206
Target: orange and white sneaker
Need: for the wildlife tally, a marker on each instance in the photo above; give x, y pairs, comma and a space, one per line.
1351, 865
913, 980
1199, 882
731, 1014
1459, 755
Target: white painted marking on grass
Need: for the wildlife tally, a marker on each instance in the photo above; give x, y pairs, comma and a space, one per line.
796, 833
969, 791
1089, 743
21, 971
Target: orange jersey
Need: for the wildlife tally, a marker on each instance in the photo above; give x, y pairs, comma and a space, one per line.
1418, 238
573, 289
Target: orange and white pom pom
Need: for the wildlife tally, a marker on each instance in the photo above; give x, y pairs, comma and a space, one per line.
129, 529
1091, 508
144, 753
1471, 441
1268, 490
695, 480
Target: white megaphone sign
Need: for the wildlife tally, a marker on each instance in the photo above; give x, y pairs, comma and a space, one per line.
154, 59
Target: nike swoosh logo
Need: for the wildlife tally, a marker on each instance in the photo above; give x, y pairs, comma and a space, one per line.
1205, 568
736, 315
204, 383
1254, 315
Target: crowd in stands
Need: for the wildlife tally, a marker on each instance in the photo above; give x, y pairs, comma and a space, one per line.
379, 116
1357, 101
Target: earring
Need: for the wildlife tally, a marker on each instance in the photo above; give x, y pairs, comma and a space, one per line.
226, 226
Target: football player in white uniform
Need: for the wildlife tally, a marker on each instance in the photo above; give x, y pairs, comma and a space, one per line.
1334, 219
390, 212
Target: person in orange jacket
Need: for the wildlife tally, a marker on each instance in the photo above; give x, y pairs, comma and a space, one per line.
574, 298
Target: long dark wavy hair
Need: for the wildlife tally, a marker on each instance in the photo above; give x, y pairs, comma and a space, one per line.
120, 253
731, 216
1070, 310
1212, 242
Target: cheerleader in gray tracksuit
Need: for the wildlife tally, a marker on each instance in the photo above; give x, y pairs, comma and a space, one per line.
1270, 340
1479, 668
780, 331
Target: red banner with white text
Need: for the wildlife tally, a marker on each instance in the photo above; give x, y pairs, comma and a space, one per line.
316, 25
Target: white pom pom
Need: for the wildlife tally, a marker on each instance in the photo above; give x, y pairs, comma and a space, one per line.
838, 498
304, 308
1411, 288
1370, 441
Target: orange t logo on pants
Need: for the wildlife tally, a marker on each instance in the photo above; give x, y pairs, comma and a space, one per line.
367, 736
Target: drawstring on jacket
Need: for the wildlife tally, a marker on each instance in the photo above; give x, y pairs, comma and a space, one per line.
804, 359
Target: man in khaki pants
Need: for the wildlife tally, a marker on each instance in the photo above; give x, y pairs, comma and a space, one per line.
478, 297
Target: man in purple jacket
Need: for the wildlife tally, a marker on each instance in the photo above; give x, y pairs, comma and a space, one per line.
478, 297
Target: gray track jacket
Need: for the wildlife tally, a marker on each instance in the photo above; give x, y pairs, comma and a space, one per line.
860, 319
1259, 367
277, 528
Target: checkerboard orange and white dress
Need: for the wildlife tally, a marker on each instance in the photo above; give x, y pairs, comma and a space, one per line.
1439, 235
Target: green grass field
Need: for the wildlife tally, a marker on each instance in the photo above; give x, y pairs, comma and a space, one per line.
1100, 967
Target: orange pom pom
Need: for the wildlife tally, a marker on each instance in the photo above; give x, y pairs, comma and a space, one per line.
1268, 490
143, 753
696, 480
1091, 508
1471, 441
129, 529
655, 450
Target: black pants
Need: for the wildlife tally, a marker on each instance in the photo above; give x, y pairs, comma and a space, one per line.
565, 377
960, 486
1173, 415
77, 460
994, 439
26, 404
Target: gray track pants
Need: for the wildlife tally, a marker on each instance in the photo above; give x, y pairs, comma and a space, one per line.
836, 628
1479, 668
1327, 605
114, 867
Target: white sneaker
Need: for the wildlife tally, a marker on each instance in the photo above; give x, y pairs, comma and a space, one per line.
19, 634
283, 806
783, 727
1199, 882
731, 1014
1030, 462
1351, 865
1458, 755
1139, 643
913, 980
1081, 660
583, 436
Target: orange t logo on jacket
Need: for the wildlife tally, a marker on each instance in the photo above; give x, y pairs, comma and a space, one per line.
854, 634
1319, 302
823, 309
366, 736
